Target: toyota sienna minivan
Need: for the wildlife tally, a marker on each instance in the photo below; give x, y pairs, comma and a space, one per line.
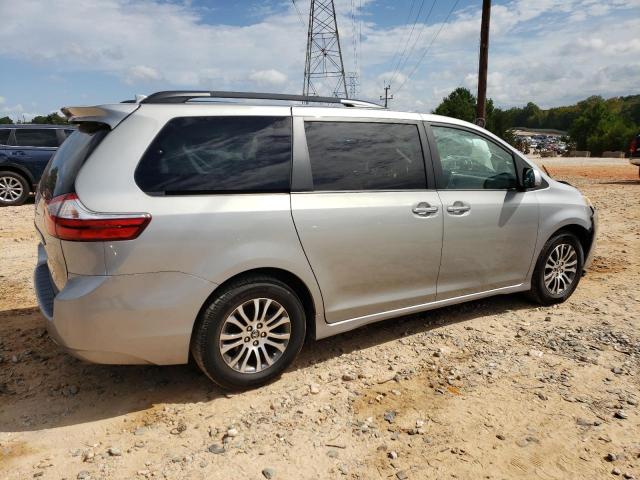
178, 227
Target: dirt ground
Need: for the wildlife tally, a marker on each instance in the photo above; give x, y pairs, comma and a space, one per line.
495, 389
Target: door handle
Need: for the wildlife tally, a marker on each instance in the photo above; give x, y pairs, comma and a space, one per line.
423, 209
458, 209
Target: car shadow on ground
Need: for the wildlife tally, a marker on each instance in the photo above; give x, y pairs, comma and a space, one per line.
42, 387
622, 182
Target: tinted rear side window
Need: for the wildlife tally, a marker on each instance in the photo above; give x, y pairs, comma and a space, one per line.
365, 156
4, 136
60, 175
34, 137
194, 155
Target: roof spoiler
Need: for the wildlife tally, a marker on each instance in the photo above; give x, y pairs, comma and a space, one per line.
110, 115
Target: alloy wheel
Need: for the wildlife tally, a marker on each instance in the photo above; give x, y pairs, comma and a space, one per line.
560, 269
11, 189
255, 335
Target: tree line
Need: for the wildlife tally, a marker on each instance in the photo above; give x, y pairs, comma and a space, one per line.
593, 124
51, 119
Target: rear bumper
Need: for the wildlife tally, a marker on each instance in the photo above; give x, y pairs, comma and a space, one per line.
122, 319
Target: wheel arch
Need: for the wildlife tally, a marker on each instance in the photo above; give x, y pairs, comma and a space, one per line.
23, 172
584, 235
290, 279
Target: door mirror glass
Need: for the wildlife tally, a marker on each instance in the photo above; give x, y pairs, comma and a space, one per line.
531, 178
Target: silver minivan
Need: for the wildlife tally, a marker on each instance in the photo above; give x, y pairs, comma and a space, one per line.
178, 227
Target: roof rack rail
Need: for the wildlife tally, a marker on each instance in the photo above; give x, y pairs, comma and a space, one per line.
183, 96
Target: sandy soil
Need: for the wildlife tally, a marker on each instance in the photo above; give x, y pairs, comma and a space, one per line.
495, 389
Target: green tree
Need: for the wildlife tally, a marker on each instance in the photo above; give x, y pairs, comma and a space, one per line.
601, 126
612, 134
462, 104
459, 104
585, 127
5, 120
594, 124
52, 118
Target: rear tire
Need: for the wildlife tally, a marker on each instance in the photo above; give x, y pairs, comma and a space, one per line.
558, 270
249, 333
14, 189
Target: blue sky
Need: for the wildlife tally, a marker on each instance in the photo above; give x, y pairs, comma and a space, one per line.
552, 52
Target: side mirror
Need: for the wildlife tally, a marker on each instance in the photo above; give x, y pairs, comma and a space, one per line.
531, 178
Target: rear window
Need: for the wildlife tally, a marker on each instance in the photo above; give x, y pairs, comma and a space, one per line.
60, 175
36, 137
197, 155
4, 136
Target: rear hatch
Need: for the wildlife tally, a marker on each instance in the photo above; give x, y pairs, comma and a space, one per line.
94, 124
58, 179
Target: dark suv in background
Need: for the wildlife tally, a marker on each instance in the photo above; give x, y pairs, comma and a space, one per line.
24, 153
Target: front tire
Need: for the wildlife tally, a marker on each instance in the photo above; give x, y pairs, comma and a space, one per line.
558, 270
249, 333
14, 189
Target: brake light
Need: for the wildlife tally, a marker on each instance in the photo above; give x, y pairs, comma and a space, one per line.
67, 219
634, 146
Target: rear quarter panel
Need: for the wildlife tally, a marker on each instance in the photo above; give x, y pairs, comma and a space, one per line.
213, 237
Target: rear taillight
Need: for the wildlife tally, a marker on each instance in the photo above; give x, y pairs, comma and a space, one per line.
67, 219
634, 146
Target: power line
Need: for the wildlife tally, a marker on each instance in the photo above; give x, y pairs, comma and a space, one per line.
360, 32
413, 2
415, 21
435, 37
295, 5
353, 81
415, 42
354, 36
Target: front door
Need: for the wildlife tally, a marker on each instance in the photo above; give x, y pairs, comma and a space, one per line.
490, 228
370, 227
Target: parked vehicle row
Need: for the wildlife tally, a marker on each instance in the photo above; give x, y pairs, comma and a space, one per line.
229, 233
25, 151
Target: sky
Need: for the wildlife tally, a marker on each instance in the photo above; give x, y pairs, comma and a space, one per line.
55, 53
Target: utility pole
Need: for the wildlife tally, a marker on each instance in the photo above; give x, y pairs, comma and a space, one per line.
483, 64
386, 97
324, 56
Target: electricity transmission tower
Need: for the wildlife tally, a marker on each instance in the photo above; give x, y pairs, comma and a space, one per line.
353, 82
324, 57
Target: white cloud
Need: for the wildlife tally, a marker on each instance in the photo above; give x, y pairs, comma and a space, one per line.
142, 73
544, 51
15, 112
268, 77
